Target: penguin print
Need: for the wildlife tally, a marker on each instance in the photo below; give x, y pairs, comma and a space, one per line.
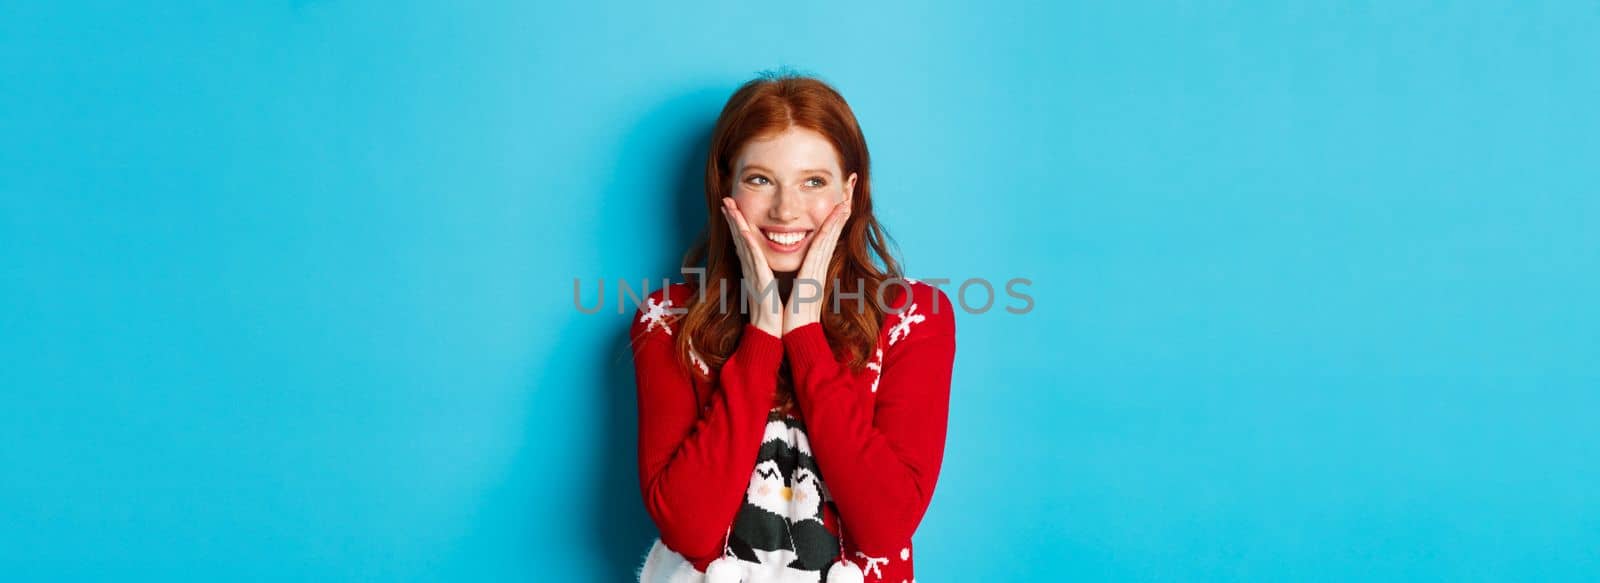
779, 530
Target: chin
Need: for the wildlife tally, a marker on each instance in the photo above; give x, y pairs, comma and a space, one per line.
779, 268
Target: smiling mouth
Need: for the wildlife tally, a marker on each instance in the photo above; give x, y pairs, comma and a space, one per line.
786, 239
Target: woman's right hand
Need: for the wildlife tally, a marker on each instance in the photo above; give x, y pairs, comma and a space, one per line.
764, 305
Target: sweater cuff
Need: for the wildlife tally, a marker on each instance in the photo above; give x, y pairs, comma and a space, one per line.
808, 346
759, 350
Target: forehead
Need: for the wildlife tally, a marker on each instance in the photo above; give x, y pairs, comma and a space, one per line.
791, 150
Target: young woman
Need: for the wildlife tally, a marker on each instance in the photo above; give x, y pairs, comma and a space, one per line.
794, 435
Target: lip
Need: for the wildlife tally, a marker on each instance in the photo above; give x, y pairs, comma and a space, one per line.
798, 245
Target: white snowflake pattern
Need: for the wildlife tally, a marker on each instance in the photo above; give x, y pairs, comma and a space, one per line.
877, 366
903, 329
656, 313
695, 358
872, 564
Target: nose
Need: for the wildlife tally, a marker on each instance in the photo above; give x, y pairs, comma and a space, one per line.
784, 207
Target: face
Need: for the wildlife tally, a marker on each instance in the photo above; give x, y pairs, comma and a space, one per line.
785, 185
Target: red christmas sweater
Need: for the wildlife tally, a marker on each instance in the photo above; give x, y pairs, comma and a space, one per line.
874, 438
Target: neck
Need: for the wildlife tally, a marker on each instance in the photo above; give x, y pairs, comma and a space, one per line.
785, 281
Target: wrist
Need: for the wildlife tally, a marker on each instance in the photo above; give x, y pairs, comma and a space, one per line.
806, 347
773, 328
760, 353
794, 322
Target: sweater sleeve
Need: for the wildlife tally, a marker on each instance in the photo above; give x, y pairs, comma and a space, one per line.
695, 461
880, 460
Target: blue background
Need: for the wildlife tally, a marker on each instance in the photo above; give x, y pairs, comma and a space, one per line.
287, 287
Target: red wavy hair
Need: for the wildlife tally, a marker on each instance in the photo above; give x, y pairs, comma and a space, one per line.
765, 106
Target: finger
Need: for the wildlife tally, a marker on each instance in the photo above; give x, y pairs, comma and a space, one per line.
840, 215
814, 268
751, 262
828, 236
730, 214
733, 231
844, 219
733, 211
757, 259
733, 227
823, 245
762, 279
738, 243
756, 267
742, 231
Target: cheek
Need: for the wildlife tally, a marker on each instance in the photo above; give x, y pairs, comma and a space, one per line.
752, 204
819, 208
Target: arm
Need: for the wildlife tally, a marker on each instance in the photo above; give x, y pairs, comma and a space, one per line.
694, 462
880, 462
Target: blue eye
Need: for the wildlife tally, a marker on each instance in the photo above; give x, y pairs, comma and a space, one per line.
819, 181
753, 177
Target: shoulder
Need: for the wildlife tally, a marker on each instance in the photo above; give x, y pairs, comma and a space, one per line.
660, 310
918, 309
911, 296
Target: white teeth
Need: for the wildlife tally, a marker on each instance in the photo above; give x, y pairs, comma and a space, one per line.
786, 238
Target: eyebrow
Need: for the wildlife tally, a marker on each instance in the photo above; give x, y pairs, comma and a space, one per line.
810, 170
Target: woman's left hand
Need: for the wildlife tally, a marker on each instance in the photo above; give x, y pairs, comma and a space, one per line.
815, 269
